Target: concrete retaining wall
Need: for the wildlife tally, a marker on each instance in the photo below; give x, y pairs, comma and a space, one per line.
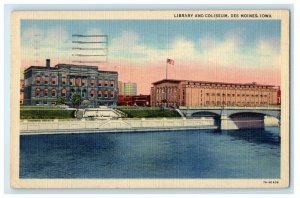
271, 121
114, 124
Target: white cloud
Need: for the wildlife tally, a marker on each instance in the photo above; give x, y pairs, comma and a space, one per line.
230, 51
94, 31
128, 40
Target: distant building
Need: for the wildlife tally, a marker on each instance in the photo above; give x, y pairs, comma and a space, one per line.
21, 92
44, 84
279, 96
202, 93
128, 89
139, 100
120, 88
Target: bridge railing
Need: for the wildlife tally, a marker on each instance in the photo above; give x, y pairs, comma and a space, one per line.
277, 107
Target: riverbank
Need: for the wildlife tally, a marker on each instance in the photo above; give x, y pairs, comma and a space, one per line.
119, 125
131, 130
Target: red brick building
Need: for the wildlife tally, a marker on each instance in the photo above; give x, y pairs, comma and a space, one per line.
138, 100
21, 92
202, 93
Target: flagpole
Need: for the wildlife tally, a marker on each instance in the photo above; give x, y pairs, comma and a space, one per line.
166, 90
166, 70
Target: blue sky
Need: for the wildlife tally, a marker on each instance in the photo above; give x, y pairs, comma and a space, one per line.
160, 33
202, 49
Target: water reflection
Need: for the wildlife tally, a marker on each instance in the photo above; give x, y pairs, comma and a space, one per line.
173, 154
259, 136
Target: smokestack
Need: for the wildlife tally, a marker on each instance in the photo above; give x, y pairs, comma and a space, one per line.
48, 63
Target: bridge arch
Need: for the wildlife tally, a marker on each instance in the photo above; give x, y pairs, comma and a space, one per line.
252, 119
275, 114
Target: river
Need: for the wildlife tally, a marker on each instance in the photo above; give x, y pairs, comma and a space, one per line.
201, 153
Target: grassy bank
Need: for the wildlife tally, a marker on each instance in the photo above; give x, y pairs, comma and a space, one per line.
46, 113
148, 112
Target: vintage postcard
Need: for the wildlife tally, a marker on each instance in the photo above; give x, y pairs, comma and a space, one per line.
150, 99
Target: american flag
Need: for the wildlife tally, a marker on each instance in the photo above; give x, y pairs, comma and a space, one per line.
170, 61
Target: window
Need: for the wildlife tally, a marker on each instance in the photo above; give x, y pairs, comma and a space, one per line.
53, 80
92, 93
105, 93
77, 82
99, 93
63, 92
37, 92
37, 79
83, 93
92, 82
63, 80
207, 94
100, 82
45, 92
53, 92
83, 81
112, 83
71, 81
105, 83
46, 79
111, 94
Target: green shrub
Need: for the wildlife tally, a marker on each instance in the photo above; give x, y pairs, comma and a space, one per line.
46, 114
149, 113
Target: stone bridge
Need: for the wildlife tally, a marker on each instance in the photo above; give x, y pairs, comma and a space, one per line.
228, 118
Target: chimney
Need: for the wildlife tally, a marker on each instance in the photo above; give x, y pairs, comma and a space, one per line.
48, 63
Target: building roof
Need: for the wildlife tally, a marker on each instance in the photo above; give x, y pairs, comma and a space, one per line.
209, 82
167, 80
69, 66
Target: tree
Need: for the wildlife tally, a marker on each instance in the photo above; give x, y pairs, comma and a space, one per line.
60, 100
85, 103
76, 99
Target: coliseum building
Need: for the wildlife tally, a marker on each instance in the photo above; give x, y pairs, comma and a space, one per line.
202, 93
44, 84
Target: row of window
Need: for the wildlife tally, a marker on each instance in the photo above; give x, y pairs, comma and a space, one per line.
64, 93
231, 86
166, 90
72, 81
233, 103
238, 95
